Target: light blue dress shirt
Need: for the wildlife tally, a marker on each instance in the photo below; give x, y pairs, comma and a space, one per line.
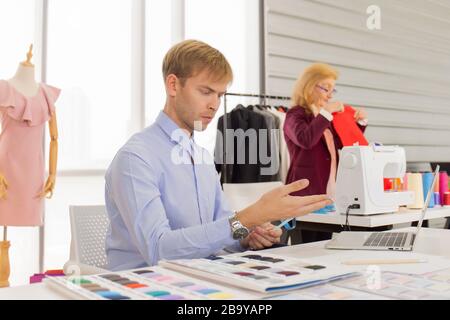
161, 205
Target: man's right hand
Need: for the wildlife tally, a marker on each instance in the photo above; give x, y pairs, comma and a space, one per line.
264, 236
333, 107
278, 204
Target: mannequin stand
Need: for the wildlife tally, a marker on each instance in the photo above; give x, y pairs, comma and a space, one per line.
4, 260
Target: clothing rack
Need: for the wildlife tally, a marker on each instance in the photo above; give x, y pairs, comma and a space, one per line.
224, 120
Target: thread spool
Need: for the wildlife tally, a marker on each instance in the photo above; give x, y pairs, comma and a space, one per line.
443, 184
447, 199
437, 186
397, 184
437, 199
387, 183
427, 180
416, 186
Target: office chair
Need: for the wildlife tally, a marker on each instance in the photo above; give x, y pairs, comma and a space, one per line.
88, 225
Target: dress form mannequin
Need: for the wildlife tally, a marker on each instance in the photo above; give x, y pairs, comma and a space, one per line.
24, 80
25, 84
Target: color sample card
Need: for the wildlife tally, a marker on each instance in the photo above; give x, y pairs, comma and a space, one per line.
259, 272
327, 292
440, 275
154, 283
399, 286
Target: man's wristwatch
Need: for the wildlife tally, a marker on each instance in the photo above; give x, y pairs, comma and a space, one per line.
238, 230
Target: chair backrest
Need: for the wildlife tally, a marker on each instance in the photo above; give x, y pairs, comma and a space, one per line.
88, 225
241, 195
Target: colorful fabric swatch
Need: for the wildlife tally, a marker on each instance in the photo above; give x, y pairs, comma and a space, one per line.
348, 131
153, 283
262, 272
403, 286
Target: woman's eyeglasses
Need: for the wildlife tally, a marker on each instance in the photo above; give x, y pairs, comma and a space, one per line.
334, 91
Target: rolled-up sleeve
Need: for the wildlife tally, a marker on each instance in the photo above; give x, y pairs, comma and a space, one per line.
136, 191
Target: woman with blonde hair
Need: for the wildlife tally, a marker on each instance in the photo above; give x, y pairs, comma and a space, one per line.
311, 139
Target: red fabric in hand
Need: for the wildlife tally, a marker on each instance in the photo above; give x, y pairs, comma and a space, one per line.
347, 129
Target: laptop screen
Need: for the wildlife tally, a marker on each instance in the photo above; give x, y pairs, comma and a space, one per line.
430, 194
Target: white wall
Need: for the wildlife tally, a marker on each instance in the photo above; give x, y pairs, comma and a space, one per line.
400, 73
232, 27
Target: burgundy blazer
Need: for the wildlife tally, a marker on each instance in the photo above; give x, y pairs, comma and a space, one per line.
310, 158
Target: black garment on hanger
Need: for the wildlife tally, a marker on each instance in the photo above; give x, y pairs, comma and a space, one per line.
247, 172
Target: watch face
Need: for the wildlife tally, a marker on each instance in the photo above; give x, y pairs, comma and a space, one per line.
240, 233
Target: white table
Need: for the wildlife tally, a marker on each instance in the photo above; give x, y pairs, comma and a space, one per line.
35, 291
334, 220
430, 241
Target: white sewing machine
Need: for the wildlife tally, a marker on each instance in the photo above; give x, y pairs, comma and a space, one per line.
360, 179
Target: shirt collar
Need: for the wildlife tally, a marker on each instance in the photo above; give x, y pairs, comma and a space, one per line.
174, 132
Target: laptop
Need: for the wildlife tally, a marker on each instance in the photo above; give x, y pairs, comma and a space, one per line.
401, 241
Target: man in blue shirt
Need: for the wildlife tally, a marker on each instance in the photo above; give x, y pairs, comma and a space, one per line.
162, 193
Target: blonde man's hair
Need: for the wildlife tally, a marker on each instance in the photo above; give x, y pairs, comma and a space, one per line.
190, 57
311, 76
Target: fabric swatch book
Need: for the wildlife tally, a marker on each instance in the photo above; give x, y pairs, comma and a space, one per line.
433, 286
348, 131
151, 283
262, 272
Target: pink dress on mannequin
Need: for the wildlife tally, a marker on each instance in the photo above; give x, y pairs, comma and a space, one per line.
21, 152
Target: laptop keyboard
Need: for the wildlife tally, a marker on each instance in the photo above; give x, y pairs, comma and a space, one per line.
391, 239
